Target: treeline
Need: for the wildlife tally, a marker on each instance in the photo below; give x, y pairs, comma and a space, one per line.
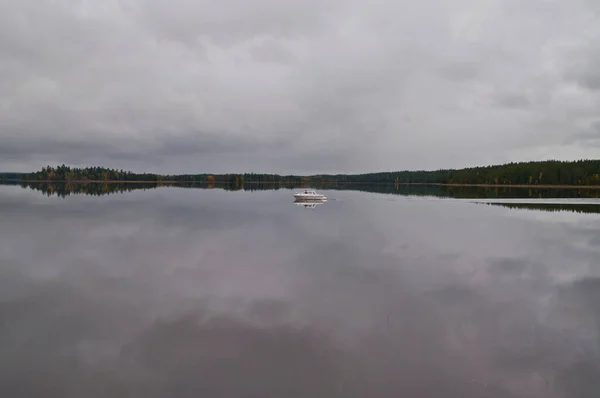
68, 174
582, 172
552, 172
4, 177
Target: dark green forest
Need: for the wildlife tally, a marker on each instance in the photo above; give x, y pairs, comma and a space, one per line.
89, 174
552, 172
10, 176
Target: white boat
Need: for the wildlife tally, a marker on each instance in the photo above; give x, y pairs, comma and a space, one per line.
309, 194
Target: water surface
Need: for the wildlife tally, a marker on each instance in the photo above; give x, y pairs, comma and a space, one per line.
173, 292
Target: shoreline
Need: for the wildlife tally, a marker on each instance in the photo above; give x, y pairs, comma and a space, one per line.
519, 186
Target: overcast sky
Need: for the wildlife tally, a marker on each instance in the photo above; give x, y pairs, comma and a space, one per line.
297, 86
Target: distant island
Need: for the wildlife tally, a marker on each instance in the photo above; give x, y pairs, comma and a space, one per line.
551, 173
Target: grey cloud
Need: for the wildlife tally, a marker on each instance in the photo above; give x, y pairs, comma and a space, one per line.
270, 51
19, 149
586, 138
589, 78
46, 150
460, 71
233, 21
589, 136
190, 86
583, 69
512, 101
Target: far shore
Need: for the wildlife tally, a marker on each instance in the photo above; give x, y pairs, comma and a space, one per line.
538, 186
519, 186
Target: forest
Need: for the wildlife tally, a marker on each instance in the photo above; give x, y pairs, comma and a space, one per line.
551, 172
91, 174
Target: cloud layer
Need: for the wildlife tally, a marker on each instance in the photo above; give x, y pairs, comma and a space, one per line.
296, 86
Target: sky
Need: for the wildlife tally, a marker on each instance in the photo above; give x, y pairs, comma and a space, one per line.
297, 86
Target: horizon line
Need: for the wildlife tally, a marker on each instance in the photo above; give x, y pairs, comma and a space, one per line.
319, 174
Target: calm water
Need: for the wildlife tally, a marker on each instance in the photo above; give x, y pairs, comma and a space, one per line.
175, 292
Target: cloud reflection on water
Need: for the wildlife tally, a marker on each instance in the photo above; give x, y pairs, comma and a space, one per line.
191, 292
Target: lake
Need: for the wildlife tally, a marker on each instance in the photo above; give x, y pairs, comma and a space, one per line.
183, 292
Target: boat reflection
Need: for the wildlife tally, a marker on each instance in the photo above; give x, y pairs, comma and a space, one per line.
309, 204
